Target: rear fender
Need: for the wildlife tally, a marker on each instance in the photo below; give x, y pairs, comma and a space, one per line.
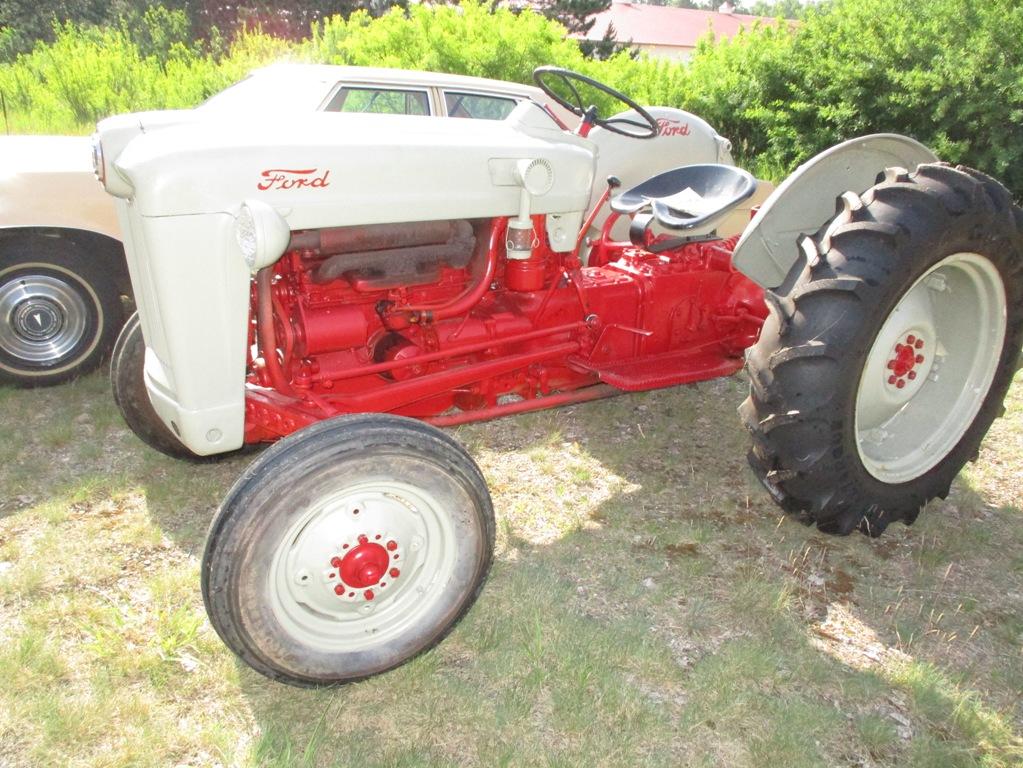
803, 202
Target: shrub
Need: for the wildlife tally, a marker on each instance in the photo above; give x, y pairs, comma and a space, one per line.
470, 39
947, 72
88, 73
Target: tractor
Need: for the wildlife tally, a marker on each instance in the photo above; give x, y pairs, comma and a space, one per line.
344, 285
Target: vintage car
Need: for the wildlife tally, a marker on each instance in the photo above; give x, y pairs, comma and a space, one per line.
64, 288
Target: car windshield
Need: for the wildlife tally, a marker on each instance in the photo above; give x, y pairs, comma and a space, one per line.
278, 92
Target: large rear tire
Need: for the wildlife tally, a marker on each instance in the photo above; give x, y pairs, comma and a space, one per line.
889, 350
348, 548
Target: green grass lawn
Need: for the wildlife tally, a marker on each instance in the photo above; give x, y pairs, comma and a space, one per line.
648, 606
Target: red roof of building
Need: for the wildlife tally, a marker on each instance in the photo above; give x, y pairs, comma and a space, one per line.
663, 25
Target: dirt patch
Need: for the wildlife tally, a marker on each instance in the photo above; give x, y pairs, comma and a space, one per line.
685, 549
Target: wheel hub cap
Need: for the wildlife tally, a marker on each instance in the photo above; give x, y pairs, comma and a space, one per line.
365, 564
908, 365
37, 320
42, 318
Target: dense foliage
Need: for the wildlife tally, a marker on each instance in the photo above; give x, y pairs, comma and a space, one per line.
948, 72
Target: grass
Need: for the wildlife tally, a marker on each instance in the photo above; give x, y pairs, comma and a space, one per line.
648, 605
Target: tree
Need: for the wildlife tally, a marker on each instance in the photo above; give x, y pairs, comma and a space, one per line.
291, 21
787, 9
577, 16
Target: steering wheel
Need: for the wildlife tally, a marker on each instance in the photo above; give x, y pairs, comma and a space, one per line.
642, 130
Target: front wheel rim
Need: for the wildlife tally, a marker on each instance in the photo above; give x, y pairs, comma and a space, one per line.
362, 566
930, 368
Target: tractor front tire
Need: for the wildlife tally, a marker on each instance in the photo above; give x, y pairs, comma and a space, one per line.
347, 549
127, 381
889, 350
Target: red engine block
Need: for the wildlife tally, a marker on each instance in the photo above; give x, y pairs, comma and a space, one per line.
451, 342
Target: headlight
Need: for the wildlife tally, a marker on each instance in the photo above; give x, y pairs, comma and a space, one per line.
98, 164
262, 234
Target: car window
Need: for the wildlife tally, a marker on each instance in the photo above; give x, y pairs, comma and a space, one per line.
386, 101
478, 106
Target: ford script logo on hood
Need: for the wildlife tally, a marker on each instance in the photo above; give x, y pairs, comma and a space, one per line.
288, 178
668, 127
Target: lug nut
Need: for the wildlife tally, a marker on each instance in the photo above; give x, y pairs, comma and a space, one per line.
892, 379
919, 359
392, 545
395, 573
911, 339
900, 383
339, 589
891, 365
336, 562
911, 375
919, 344
368, 594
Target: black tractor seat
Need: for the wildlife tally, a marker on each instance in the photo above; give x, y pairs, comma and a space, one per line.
684, 199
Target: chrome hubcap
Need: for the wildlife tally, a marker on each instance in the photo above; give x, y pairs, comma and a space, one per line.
41, 318
930, 368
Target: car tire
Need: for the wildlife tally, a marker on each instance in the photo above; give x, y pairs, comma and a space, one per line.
889, 351
347, 549
59, 312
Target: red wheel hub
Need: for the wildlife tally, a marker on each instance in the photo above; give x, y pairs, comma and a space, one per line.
364, 565
905, 358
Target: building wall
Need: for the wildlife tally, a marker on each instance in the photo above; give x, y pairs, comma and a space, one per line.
669, 52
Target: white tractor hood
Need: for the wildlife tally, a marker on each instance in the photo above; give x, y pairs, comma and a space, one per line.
329, 169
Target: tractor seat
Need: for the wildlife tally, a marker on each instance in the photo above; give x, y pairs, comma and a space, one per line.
693, 197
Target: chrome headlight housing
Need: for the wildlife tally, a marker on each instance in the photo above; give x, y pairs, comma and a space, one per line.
262, 234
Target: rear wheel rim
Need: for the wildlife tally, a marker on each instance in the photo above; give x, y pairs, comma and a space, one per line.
42, 319
930, 368
362, 566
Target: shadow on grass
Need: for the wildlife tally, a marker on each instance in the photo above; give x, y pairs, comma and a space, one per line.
647, 603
